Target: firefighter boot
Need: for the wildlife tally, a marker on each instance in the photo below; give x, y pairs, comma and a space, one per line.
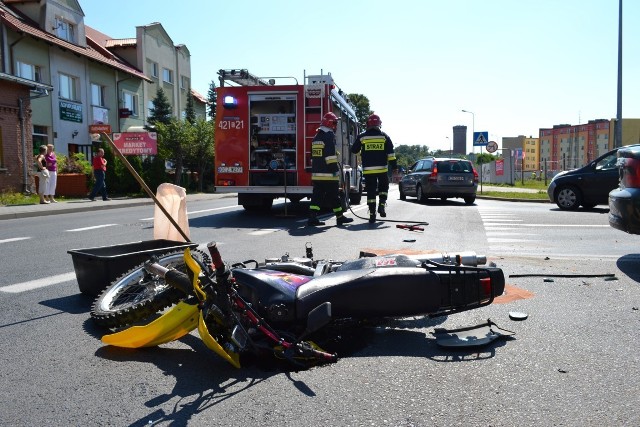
313, 220
381, 210
341, 219
372, 214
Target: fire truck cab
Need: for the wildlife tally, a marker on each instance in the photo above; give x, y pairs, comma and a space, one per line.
264, 132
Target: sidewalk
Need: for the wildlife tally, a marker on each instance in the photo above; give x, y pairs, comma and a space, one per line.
86, 205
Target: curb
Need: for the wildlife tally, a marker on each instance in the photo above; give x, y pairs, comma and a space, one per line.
31, 211
507, 199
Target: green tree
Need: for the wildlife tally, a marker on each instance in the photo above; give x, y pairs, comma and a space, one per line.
201, 152
190, 110
212, 98
361, 106
407, 155
174, 141
161, 112
485, 158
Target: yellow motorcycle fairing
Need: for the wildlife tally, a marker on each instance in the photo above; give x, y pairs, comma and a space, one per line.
211, 342
174, 324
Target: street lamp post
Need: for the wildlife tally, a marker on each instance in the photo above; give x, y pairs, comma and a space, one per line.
473, 131
450, 147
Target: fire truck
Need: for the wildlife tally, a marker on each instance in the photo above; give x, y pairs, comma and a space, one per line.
264, 132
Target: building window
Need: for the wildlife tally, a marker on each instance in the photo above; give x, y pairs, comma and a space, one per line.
29, 71
184, 82
65, 30
154, 69
40, 137
97, 95
167, 75
150, 108
68, 85
130, 102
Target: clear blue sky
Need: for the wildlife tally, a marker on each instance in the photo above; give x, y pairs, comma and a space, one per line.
519, 65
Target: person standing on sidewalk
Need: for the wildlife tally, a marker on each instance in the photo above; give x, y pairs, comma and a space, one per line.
99, 172
325, 172
52, 167
376, 150
43, 174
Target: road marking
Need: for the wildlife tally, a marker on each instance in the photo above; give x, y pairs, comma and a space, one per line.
264, 231
556, 225
500, 220
501, 233
507, 240
14, 239
38, 283
200, 211
91, 228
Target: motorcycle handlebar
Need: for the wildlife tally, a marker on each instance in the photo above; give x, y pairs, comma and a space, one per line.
175, 278
216, 258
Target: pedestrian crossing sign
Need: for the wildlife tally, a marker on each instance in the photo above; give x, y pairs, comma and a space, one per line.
480, 139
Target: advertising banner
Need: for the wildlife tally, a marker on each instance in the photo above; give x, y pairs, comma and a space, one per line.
499, 167
136, 143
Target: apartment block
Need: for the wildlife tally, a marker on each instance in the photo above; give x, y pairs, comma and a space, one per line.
58, 77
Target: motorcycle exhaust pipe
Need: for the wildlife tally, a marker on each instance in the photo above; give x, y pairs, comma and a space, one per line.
468, 258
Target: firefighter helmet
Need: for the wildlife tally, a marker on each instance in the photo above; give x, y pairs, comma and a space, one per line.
330, 120
374, 121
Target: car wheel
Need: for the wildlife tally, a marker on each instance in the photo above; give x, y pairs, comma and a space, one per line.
420, 195
568, 198
402, 195
469, 199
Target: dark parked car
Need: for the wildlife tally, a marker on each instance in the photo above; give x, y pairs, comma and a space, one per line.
624, 202
587, 186
440, 178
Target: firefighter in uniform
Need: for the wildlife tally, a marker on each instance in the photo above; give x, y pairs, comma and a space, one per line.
325, 172
376, 151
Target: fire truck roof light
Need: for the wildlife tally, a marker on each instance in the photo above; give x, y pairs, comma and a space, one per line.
230, 102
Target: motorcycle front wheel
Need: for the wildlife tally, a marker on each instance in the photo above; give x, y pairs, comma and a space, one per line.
139, 294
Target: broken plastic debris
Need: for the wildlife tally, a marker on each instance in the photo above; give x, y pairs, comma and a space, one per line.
609, 278
470, 336
517, 315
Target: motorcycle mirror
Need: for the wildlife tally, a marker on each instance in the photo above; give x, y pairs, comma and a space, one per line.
317, 318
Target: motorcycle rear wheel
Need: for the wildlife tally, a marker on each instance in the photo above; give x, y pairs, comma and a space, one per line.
138, 294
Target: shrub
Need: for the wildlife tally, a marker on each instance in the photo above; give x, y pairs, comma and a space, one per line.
76, 163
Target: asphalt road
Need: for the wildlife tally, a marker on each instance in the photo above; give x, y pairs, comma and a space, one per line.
573, 362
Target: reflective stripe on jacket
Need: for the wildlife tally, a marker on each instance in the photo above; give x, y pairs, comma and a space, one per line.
324, 160
376, 150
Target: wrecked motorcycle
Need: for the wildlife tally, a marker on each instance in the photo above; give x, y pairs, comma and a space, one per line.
286, 307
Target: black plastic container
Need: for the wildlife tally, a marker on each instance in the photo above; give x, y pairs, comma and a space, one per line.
96, 268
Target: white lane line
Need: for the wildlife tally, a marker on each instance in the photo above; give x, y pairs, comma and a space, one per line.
14, 239
200, 211
501, 220
91, 228
264, 231
506, 240
38, 283
501, 233
553, 225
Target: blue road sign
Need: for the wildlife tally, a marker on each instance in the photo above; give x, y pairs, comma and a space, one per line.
480, 139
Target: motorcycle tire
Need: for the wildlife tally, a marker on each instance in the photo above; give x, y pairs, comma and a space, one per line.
138, 294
